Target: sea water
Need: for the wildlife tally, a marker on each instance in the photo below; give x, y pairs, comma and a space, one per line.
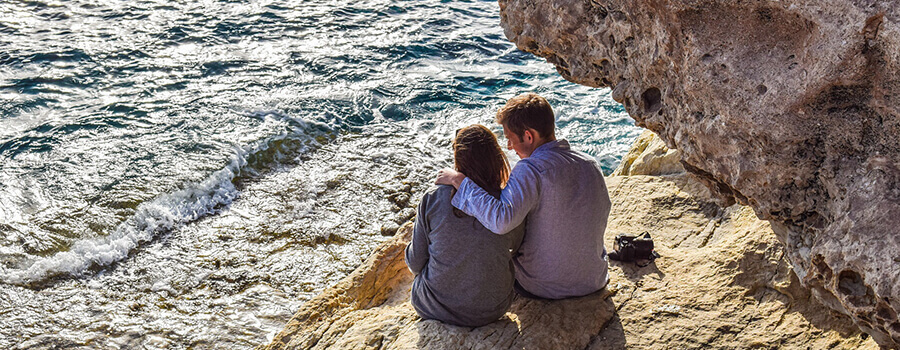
185, 174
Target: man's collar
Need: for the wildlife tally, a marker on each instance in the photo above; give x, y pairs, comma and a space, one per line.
561, 143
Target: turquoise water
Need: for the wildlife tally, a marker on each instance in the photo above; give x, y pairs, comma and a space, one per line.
186, 174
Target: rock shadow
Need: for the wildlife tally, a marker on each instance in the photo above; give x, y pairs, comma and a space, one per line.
766, 281
612, 337
636, 273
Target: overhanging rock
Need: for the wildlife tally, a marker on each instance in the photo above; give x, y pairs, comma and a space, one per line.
788, 106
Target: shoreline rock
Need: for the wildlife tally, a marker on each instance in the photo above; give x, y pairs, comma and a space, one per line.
721, 282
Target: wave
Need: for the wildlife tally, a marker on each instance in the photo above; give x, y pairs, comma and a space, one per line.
171, 210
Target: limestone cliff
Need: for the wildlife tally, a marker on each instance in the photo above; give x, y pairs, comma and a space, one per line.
721, 283
790, 106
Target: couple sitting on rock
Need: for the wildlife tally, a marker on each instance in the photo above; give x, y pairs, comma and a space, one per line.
487, 233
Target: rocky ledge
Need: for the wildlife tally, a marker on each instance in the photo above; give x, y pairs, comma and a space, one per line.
721, 283
789, 106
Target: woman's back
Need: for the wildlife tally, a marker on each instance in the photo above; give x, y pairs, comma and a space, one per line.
464, 272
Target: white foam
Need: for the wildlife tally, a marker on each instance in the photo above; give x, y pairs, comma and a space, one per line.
160, 215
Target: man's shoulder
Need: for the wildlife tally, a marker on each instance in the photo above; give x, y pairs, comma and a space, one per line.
527, 165
560, 159
585, 158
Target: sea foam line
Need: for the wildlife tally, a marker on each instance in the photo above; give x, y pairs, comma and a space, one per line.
162, 214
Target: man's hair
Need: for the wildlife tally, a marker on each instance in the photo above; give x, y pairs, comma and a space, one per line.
527, 111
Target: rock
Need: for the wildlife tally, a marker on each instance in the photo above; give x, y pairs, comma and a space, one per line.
401, 199
721, 283
790, 107
404, 215
389, 228
650, 156
381, 278
401, 195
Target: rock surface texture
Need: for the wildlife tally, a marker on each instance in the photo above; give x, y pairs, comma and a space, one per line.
791, 107
721, 283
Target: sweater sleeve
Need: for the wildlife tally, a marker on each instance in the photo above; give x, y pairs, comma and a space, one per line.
417, 250
518, 198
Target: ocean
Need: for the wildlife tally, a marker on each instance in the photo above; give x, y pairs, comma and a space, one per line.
185, 174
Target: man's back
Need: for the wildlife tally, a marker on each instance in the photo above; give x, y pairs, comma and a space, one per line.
562, 197
562, 254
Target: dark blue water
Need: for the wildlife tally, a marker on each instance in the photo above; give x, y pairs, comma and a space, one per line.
186, 174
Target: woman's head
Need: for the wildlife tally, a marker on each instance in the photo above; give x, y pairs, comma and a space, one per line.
477, 154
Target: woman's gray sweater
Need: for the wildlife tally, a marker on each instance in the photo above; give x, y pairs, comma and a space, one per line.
464, 273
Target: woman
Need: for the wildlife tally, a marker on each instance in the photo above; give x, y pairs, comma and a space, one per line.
464, 273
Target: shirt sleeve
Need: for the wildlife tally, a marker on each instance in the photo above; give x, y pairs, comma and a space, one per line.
417, 250
520, 196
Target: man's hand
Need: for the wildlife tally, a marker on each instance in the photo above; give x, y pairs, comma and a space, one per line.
447, 176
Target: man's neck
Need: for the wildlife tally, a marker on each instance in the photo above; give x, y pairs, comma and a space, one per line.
542, 141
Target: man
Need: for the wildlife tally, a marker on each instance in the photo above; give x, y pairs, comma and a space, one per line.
559, 193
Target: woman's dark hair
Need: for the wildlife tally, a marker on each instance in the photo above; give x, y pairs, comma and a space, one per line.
477, 154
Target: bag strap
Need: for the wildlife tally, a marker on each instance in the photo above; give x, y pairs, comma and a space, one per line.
653, 256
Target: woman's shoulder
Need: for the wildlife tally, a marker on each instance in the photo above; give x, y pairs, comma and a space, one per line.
439, 192
437, 195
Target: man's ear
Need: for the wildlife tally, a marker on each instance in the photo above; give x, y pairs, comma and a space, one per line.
528, 136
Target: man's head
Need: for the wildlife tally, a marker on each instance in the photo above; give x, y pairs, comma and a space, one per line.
528, 122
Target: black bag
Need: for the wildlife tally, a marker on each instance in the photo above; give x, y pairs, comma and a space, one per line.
630, 248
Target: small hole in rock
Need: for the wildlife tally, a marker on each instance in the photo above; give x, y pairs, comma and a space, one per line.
885, 312
852, 287
761, 89
652, 99
850, 283
605, 64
